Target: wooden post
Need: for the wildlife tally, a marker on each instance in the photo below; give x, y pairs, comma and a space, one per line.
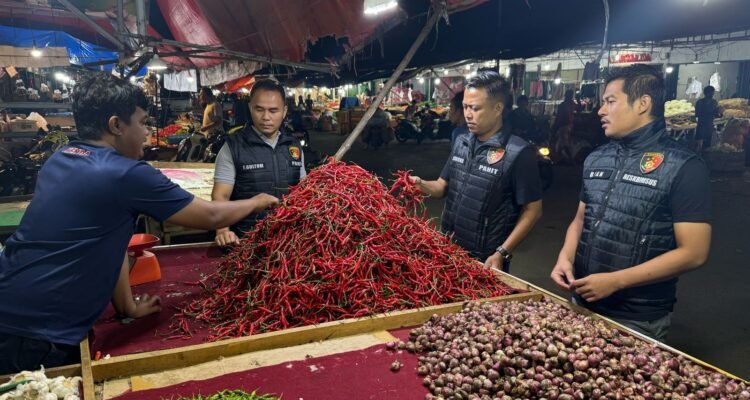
86, 372
436, 13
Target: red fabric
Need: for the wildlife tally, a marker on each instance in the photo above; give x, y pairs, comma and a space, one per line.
187, 24
179, 268
363, 374
237, 84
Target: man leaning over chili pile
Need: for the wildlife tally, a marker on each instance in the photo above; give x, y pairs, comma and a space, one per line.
491, 180
644, 213
68, 258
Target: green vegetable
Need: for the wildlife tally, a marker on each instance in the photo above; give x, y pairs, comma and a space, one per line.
11, 386
232, 395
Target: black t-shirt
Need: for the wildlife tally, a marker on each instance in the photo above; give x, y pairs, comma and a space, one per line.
690, 194
527, 185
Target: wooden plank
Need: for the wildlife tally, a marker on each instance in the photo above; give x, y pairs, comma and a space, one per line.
88, 378
144, 363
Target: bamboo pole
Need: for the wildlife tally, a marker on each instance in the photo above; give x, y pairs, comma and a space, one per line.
436, 13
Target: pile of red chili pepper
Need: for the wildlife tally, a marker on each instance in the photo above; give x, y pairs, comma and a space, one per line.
338, 246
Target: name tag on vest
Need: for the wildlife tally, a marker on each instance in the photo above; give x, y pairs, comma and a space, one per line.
488, 170
458, 160
296, 163
640, 180
598, 174
251, 167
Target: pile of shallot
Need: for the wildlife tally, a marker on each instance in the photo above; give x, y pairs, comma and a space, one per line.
541, 350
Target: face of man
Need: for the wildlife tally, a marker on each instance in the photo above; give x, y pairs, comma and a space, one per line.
618, 117
130, 136
268, 111
483, 114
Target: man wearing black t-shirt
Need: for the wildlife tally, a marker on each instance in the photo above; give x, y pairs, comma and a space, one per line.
491, 180
644, 212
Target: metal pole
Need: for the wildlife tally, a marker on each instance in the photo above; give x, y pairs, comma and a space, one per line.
140, 12
120, 13
80, 14
436, 13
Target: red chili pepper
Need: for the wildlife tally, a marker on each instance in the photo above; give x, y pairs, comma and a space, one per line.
340, 245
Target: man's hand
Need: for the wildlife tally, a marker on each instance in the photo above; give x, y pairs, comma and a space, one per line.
494, 261
597, 286
263, 201
225, 237
562, 274
145, 305
416, 181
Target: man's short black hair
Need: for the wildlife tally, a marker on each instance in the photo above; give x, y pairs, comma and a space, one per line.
709, 91
641, 80
496, 86
522, 99
100, 96
208, 93
271, 86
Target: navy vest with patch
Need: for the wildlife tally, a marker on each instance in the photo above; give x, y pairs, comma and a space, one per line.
262, 169
628, 219
480, 210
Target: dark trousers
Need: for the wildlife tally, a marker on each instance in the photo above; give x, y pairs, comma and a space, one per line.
19, 353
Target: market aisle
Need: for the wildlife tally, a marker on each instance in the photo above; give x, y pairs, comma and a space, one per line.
710, 321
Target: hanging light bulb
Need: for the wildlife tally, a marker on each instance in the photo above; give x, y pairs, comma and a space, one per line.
547, 67
445, 72
421, 80
437, 81
468, 67
557, 81
156, 63
669, 69
35, 51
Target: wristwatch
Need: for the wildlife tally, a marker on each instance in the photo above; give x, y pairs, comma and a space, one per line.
505, 254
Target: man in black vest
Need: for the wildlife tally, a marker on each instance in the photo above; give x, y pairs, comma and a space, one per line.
644, 213
491, 179
258, 159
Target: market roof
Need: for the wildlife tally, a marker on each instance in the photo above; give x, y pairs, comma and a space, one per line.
337, 32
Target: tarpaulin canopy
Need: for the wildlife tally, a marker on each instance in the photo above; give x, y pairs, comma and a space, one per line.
79, 51
239, 84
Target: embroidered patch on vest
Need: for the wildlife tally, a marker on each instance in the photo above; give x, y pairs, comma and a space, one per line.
457, 159
294, 152
75, 151
651, 161
640, 180
495, 155
598, 174
250, 167
488, 170
296, 163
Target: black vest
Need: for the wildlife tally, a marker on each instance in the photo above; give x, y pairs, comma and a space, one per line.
628, 219
262, 169
480, 210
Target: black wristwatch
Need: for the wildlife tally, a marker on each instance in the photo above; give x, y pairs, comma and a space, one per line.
505, 254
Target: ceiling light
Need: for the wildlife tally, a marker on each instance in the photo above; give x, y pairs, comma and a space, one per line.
468, 67
156, 64
35, 51
547, 67
437, 81
669, 69
557, 81
374, 7
696, 62
445, 72
421, 80
717, 62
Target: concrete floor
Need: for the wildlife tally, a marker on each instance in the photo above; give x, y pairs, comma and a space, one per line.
711, 320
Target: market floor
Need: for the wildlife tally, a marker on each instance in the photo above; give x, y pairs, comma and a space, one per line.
711, 319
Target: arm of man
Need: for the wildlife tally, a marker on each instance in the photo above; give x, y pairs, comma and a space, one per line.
691, 213
527, 190
122, 298
214, 118
562, 273
437, 188
224, 178
693, 243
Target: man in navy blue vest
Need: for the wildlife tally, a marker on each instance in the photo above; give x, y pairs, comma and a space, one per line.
644, 212
261, 158
67, 258
491, 180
